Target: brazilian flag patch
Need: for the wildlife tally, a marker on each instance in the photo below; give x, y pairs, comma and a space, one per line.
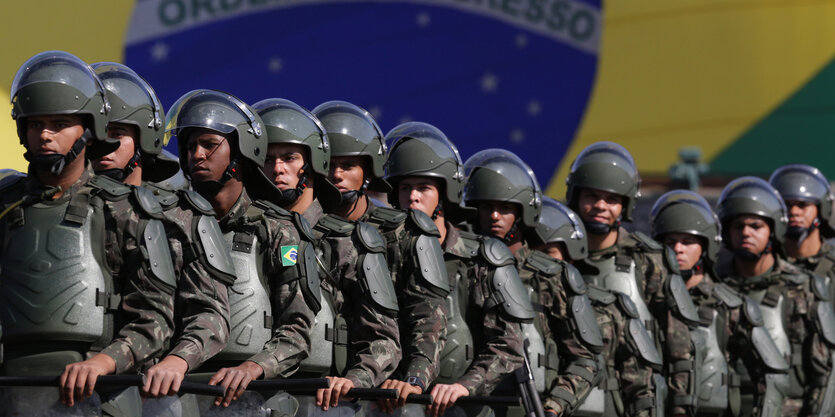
289, 254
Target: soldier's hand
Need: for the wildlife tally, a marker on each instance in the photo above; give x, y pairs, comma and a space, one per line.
79, 379
235, 380
403, 390
165, 377
329, 397
444, 396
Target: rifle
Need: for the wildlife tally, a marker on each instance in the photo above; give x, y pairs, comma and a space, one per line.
527, 388
109, 381
492, 401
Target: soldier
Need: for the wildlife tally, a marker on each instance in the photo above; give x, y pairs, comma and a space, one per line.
202, 301
413, 252
70, 235
731, 329
793, 301
629, 358
603, 184
507, 196
222, 146
357, 340
484, 340
809, 199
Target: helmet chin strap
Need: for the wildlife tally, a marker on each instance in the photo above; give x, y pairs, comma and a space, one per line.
512, 234
119, 174
599, 228
746, 256
55, 163
351, 197
290, 196
212, 187
698, 268
439, 210
800, 233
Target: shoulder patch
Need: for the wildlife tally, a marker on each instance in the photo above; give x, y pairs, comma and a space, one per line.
601, 295
471, 242
820, 288
543, 263
331, 225
753, 313
727, 295
387, 218
370, 237
197, 201
110, 187
627, 305
148, 201
496, 252
647, 242
424, 223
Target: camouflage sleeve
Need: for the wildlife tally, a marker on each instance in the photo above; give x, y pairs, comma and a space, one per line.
635, 382
819, 353
574, 380
374, 350
292, 314
499, 352
423, 323
678, 354
202, 301
145, 321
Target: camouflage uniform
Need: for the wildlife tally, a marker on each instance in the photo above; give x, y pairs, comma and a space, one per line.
137, 300
570, 383
201, 307
372, 336
821, 264
800, 293
668, 327
422, 318
497, 338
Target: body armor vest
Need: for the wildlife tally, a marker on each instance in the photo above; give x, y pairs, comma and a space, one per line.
322, 336
711, 368
53, 286
773, 322
458, 350
250, 322
532, 332
623, 279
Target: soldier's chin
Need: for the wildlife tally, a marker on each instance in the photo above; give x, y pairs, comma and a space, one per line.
746, 255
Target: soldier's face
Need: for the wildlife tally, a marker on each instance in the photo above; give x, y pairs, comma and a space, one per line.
284, 164
599, 206
52, 134
419, 193
118, 159
496, 218
749, 233
801, 213
688, 248
347, 173
209, 154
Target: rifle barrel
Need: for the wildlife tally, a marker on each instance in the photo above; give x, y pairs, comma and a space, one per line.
299, 384
189, 387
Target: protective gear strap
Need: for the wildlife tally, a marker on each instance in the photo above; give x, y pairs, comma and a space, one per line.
55, 163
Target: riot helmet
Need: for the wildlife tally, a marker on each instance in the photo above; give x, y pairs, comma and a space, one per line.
805, 183
683, 211
605, 166
558, 223
753, 196
421, 150
500, 175
224, 113
57, 82
287, 122
353, 132
134, 102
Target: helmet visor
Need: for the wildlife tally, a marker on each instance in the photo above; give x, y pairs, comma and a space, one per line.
209, 109
800, 182
506, 164
430, 136
681, 197
555, 215
612, 153
134, 91
756, 190
341, 117
57, 67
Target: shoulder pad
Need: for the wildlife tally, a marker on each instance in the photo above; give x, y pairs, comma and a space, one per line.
388, 217
159, 254
332, 225
585, 320
310, 284
424, 223
273, 209
370, 237
627, 305
496, 252
305, 231
682, 301
197, 201
796, 278
826, 321
471, 242
516, 302
574, 279
543, 263
727, 295
647, 242
378, 281
165, 197
767, 350
752, 312
430, 261
819, 287
11, 180
216, 252
110, 187
601, 295
148, 201
643, 343
670, 260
